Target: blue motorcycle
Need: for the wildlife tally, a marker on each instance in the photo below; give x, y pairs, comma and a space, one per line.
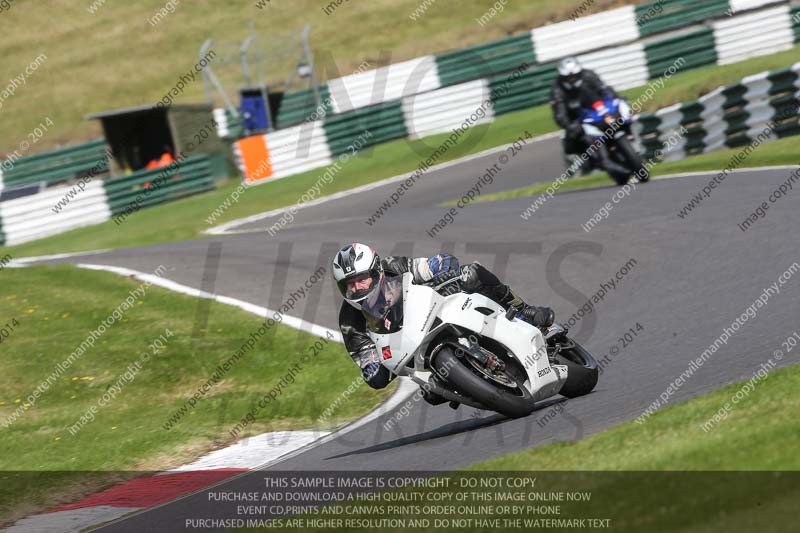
608, 123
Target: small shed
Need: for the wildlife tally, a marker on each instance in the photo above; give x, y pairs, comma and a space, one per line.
138, 135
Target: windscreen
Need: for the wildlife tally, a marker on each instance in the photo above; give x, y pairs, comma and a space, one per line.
383, 309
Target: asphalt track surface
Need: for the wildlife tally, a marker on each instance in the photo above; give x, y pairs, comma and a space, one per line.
692, 277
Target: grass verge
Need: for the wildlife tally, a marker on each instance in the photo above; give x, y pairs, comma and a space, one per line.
757, 435
186, 219
55, 308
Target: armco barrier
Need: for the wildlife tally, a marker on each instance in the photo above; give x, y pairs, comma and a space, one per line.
485, 60
311, 145
531, 89
384, 84
728, 117
32, 217
595, 37
282, 153
753, 34
625, 65
622, 67
384, 122
796, 22
738, 6
295, 107
229, 126
584, 34
696, 47
57, 165
443, 110
131, 192
663, 16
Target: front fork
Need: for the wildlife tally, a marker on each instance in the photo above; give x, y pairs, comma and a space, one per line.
555, 338
469, 348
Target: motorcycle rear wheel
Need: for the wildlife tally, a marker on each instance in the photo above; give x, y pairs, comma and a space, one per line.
514, 403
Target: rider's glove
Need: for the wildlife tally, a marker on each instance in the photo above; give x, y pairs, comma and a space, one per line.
397, 265
370, 370
541, 317
470, 279
440, 263
426, 269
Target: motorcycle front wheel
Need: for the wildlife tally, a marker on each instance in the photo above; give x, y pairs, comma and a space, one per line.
632, 159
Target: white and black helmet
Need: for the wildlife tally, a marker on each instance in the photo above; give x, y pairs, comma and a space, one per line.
569, 73
357, 261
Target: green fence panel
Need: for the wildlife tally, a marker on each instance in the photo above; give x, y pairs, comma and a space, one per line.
528, 90
649, 123
734, 113
59, 165
788, 129
785, 105
649, 133
191, 176
384, 122
784, 99
796, 22
97, 145
738, 140
2, 236
783, 81
696, 47
660, 16
485, 60
734, 96
692, 121
692, 112
297, 106
786, 115
736, 121
695, 139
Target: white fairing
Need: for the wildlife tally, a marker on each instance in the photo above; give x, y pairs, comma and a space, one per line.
423, 305
624, 109
592, 131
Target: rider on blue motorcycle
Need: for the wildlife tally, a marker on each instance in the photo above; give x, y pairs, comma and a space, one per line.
574, 89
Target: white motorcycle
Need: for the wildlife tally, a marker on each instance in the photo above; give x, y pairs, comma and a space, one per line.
467, 349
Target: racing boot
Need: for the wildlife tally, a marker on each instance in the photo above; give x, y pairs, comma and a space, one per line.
541, 317
476, 278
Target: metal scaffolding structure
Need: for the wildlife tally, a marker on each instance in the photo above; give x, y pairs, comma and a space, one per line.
274, 63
